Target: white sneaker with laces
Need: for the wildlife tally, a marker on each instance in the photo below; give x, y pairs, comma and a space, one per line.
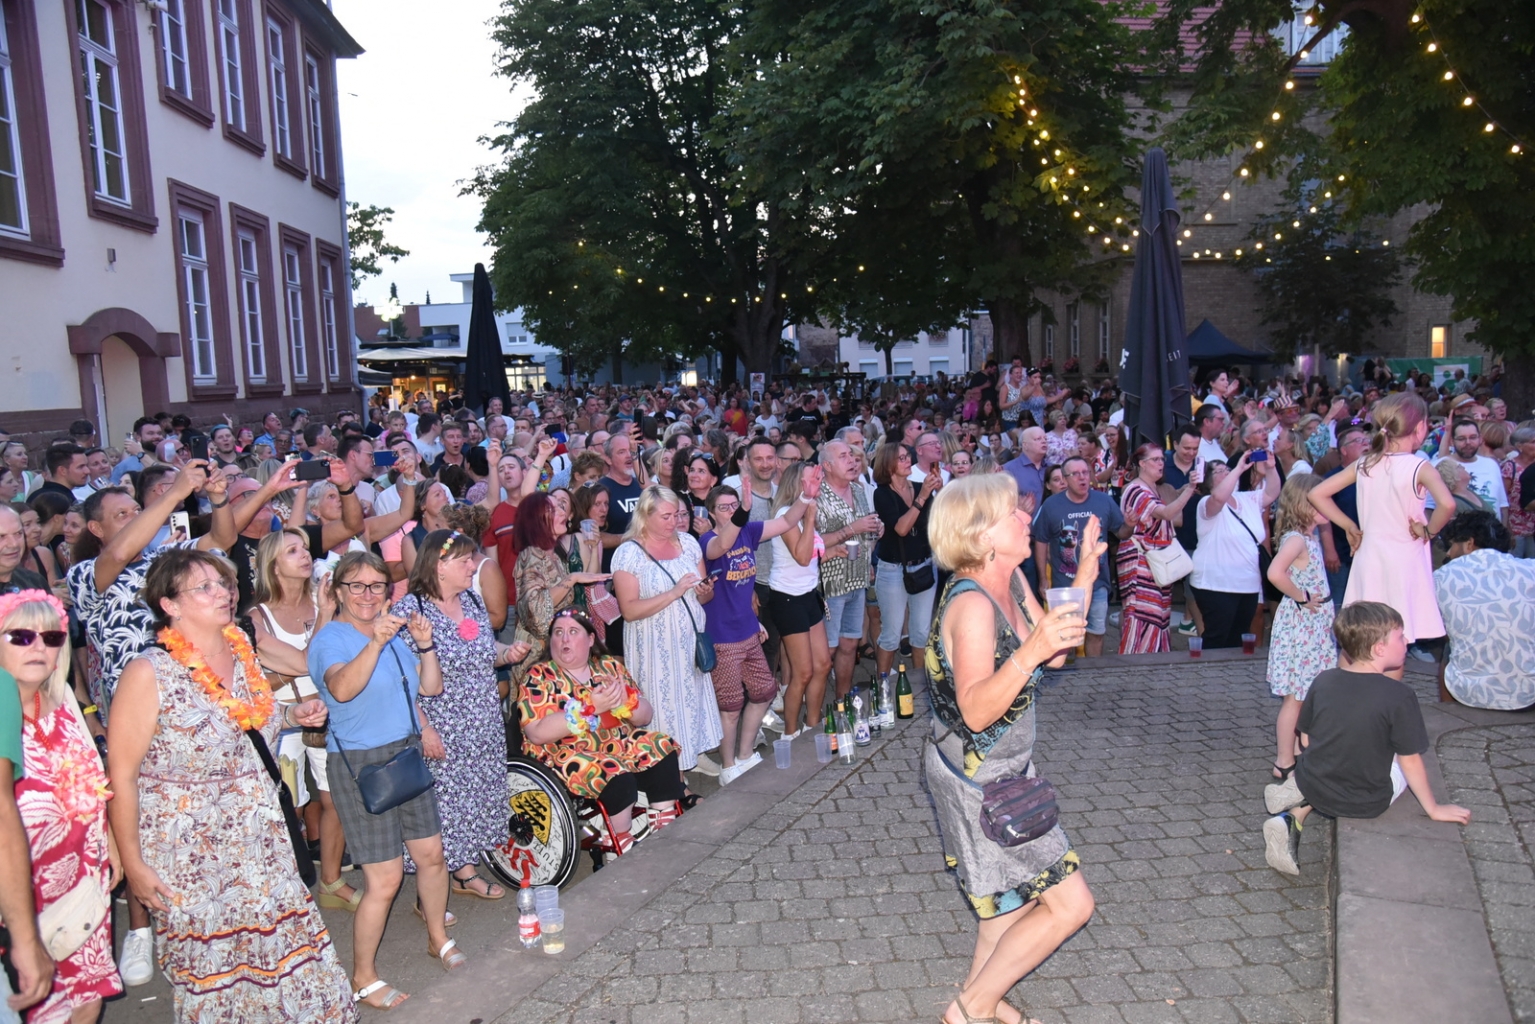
772, 720
137, 964
706, 766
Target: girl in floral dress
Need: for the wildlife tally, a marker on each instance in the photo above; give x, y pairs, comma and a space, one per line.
62, 799
1302, 643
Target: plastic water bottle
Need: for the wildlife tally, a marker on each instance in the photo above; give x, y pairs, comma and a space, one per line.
527, 918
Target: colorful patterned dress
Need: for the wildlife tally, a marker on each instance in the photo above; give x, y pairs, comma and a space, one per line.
243, 941
1302, 644
63, 805
587, 762
471, 780
1147, 607
538, 572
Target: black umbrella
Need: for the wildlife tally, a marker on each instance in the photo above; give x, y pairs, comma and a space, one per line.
484, 369
1155, 374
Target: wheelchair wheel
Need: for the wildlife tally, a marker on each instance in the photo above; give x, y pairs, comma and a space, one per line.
545, 838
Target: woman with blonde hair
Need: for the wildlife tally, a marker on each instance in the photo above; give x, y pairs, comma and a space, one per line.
1458, 480
62, 799
991, 642
662, 586
795, 602
1302, 644
1392, 543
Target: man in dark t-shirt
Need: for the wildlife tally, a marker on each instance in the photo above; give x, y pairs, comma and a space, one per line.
1363, 738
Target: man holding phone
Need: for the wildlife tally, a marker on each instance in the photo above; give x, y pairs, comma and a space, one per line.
1185, 466
356, 452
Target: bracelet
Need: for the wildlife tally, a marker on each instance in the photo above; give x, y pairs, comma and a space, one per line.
426, 650
344, 491
89, 709
217, 504
806, 499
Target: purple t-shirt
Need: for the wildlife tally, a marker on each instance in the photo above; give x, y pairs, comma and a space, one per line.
730, 614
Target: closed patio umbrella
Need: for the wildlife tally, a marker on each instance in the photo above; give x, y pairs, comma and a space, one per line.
484, 369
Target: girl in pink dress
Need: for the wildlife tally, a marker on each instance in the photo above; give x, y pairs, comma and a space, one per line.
1393, 562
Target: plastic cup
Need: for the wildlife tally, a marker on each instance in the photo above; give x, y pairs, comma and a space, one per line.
551, 925
1196, 646
1249, 643
546, 897
589, 528
782, 752
823, 752
852, 548
1056, 596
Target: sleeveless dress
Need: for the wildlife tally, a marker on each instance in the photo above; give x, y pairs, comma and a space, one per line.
1392, 566
243, 941
290, 751
997, 880
1302, 644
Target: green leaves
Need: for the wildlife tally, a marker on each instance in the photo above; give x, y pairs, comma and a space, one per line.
366, 243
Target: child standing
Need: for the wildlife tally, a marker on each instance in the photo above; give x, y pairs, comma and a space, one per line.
1393, 563
1362, 736
1302, 644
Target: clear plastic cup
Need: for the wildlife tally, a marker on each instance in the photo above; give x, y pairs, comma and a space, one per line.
551, 925
546, 897
783, 752
1249, 643
823, 752
1196, 646
1056, 596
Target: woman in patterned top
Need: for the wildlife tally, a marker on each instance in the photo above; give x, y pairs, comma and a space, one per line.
990, 642
583, 716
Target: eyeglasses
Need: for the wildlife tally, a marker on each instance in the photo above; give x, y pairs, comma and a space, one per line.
725, 508
359, 589
27, 637
206, 588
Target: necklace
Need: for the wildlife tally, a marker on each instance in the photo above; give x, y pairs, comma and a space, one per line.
35, 719
251, 714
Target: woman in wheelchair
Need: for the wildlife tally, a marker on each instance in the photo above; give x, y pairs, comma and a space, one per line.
583, 717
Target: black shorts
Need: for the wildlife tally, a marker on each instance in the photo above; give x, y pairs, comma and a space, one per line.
796, 613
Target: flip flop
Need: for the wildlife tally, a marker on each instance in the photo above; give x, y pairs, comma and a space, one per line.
450, 955
392, 996
463, 888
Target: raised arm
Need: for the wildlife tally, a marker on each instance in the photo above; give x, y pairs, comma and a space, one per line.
131, 540
351, 522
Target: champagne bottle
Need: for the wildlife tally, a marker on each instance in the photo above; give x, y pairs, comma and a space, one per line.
905, 706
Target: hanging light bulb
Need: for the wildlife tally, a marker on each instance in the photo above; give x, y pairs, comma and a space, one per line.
1209, 216
1416, 18
1289, 85
1449, 76
1468, 101
1258, 144
1274, 116
1226, 196
1433, 47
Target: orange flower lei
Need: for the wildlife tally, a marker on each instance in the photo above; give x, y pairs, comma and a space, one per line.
252, 714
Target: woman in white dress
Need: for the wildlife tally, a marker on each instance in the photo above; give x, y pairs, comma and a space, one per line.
661, 586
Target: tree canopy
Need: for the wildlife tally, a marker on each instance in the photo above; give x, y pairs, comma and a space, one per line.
366, 242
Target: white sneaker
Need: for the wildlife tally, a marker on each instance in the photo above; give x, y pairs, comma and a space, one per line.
761, 740
706, 766
740, 768
777, 703
1419, 654
137, 962
772, 720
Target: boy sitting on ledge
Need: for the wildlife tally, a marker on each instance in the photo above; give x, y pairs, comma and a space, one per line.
1362, 736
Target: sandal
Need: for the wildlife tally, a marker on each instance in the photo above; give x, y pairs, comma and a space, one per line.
463, 887
966, 1014
1280, 774
448, 919
689, 800
329, 899
451, 956
865, 651
392, 996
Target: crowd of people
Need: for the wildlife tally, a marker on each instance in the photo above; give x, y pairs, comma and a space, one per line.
645, 582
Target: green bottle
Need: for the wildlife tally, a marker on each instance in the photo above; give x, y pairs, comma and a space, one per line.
905, 707
829, 724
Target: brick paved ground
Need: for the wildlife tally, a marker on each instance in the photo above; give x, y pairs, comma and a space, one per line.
1492, 771
833, 907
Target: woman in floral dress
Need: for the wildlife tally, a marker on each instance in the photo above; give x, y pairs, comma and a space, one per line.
196, 815
62, 799
462, 734
1302, 644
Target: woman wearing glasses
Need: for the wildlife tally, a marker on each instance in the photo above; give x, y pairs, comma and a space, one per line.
462, 733
62, 796
196, 816
370, 678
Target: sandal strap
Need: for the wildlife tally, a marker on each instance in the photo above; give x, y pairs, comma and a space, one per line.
367, 990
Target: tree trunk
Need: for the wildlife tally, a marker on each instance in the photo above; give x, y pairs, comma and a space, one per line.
1009, 330
1519, 387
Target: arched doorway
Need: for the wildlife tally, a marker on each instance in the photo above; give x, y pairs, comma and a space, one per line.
121, 362
122, 389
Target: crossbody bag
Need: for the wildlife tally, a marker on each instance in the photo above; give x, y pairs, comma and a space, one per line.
404, 776
1265, 559
704, 657
1015, 810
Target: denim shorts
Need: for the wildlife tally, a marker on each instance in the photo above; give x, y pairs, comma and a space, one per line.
844, 617
1098, 612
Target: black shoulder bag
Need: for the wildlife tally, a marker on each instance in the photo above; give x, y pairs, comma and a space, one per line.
703, 644
404, 776
306, 869
918, 578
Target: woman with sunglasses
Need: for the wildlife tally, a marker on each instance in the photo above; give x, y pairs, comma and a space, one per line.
370, 679
62, 797
693, 479
462, 733
197, 817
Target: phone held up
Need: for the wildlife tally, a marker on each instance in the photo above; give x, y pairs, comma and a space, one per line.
314, 469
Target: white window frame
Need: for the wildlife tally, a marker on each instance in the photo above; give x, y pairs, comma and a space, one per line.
10, 137
231, 66
937, 366
328, 335
902, 368
316, 97
98, 60
248, 271
175, 49
293, 304
197, 280
870, 368
1074, 330
1103, 330
277, 75
1049, 341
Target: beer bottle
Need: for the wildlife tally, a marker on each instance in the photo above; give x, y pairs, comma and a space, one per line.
905, 707
830, 726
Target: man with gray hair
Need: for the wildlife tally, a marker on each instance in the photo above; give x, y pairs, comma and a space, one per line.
13, 548
849, 528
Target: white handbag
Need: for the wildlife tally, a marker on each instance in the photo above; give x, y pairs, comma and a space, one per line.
1168, 564
66, 923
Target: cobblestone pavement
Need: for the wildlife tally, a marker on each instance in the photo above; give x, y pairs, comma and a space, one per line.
1492, 771
834, 907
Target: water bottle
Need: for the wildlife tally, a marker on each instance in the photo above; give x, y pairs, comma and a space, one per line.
887, 701
876, 713
527, 918
861, 732
844, 733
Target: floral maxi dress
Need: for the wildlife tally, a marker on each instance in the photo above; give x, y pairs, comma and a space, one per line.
471, 780
243, 941
1302, 645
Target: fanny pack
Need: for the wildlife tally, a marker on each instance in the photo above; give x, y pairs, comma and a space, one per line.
1015, 810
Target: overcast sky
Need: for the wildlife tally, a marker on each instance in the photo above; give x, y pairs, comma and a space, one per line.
413, 108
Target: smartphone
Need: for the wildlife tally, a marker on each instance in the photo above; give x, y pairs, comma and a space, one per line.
1261, 455
198, 446
181, 527
314, 469
384, 458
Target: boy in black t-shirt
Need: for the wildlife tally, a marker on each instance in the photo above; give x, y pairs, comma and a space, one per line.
1363, 738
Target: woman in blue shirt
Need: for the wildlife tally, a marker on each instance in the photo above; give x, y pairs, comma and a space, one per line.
370, 679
